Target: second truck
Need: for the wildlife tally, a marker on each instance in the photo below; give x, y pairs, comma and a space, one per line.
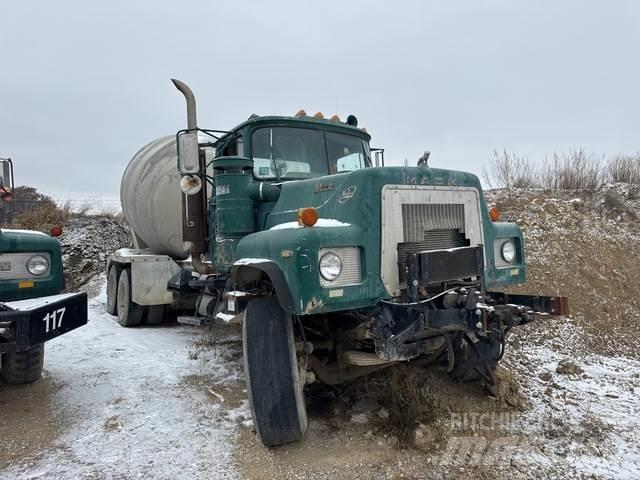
336, 265
33, 306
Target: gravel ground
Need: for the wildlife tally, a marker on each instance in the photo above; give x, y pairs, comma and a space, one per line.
86, 243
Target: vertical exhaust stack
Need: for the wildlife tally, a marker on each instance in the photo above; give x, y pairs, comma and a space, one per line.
193, 206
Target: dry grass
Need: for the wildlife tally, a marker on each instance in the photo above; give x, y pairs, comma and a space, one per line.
406, 394
574, 170
626, 169
42, 216
571, 170
508, 170
32, 210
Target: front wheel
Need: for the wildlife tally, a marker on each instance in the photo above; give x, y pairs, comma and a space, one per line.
24, 366
274, 386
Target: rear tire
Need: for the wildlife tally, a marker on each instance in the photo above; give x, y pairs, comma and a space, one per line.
274, 385
155, 314
129, 313
24, 366
112, 291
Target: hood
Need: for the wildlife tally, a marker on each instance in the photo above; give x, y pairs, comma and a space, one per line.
26, 240
353, 197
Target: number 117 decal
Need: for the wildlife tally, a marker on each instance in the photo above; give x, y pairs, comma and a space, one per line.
53, 319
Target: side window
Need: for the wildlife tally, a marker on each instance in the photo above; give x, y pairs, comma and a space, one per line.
261, 148
346, 153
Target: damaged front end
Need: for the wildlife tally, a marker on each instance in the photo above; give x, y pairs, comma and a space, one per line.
470, 323
455, 323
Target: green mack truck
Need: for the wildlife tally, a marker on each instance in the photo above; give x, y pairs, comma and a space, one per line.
336, 265
33, 309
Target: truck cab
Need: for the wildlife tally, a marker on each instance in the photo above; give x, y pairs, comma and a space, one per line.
299, 147
33, 307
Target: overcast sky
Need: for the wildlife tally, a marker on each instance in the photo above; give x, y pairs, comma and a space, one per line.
83, 85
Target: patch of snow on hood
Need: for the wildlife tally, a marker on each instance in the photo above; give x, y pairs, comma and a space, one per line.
322, 222
28, 232
251, 261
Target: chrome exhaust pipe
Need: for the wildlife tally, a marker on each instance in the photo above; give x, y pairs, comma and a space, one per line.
193, 206
192, 121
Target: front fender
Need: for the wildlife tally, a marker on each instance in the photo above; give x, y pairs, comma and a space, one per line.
271, 270
293, 254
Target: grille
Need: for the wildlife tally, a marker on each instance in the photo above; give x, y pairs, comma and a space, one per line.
420, 220
351, 266
13, 266
440, 239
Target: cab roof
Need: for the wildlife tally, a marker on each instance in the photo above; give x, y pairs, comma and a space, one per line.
303, 121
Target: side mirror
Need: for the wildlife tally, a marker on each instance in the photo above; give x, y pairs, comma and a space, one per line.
188, 153
377, 155
6, 174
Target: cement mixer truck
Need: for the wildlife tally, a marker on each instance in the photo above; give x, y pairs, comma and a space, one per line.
335, 264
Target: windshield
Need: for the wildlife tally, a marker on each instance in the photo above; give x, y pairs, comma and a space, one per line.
285, 152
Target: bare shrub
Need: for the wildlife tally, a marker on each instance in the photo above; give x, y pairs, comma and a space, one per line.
508, 170
573, 170
625, 169
42, 217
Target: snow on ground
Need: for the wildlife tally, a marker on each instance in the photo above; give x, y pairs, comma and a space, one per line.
133, 406
583, 421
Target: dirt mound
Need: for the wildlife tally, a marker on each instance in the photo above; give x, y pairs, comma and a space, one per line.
86, 243
583, 245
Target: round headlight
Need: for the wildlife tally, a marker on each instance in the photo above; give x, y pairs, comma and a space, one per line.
508, 251
38, 265
330, 266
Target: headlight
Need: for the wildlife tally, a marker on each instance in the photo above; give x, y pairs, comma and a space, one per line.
508, 251
330, 266
37, 265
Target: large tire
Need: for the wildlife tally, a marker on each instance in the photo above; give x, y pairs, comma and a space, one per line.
155, 314
274, 386
129, 313
24, 366
112, 290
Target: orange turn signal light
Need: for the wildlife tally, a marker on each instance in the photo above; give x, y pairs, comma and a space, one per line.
494, 214
56, 231
307, 216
